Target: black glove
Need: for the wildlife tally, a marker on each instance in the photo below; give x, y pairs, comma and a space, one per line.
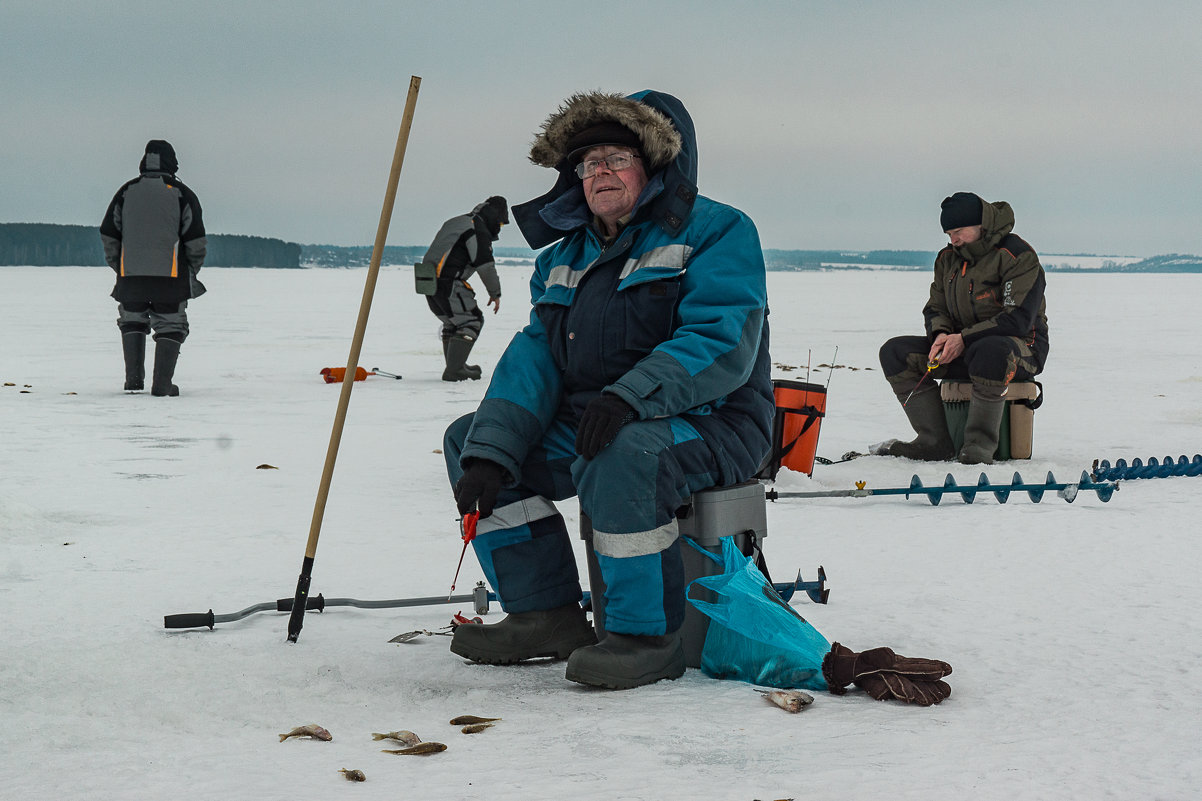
478, 486
602, 418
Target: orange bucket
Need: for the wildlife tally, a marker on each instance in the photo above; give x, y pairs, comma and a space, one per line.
800, 408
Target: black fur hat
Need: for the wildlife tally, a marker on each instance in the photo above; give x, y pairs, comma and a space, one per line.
597, 118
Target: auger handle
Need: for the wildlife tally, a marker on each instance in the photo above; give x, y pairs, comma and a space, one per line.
285, 604
192, 620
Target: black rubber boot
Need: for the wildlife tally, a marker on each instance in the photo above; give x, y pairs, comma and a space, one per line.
982, 427
552, 633
133, 344
456, 351
623, 661
925, 413
166, 352
470, 368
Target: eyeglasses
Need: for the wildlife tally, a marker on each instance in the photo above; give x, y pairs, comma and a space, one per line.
613, 162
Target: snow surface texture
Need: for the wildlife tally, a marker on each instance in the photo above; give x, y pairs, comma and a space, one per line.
1073, 628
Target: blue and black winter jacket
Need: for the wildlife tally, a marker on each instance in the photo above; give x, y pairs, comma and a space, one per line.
671, 317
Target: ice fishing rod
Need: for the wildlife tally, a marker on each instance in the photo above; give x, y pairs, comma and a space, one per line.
480, 598
1104, 490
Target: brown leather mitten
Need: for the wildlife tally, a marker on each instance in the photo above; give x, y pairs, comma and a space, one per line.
885, 686
843, 666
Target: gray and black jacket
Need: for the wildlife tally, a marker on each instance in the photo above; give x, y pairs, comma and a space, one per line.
154, 239
461, 248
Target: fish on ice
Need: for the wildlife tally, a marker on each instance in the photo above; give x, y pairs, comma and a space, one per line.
309, 730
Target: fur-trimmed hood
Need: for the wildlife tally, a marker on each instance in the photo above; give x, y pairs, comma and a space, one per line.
669, 143
660, 141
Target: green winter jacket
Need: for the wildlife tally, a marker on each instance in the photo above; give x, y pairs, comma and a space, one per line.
991, 287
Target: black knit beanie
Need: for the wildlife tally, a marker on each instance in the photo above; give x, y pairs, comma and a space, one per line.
960, 210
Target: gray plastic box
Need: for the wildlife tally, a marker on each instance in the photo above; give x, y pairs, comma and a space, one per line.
709, 516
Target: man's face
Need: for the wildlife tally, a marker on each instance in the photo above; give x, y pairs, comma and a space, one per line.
964, 236
612, 195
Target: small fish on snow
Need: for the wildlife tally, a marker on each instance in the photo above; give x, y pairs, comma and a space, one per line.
310, 730
788, 700
353, 775
467, 720
476, 728
404, 737
421, 749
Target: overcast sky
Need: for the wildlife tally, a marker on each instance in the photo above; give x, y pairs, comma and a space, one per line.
833, 125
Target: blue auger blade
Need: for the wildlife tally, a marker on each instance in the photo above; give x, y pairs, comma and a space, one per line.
1069, 491
983, 484
969, 494
1003, 495
1035, 493
816, 590
916, 486
785, 591
1104, 490
948, 486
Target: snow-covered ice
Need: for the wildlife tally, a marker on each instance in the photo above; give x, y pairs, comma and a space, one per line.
1073, 628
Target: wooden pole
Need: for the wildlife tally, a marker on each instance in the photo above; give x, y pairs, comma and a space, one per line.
296, 620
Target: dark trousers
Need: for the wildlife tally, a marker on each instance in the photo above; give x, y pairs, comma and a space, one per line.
991, 361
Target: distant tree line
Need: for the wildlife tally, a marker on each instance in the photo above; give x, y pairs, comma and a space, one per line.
44, 244
338, 256
825, 259
404, 255
1169, 263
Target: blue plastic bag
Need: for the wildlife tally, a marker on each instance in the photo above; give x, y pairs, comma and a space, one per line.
753, 634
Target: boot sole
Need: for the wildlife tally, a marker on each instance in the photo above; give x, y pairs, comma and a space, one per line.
671, 673
484, 657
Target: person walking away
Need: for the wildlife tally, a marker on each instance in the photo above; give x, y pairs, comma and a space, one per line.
154, 240
642, 377
461, 248
986, 322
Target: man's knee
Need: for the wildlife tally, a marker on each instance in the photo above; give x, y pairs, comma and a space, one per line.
902, 356
169, 321
133, 327
471, 328
452, 445
636, 482
991, 361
